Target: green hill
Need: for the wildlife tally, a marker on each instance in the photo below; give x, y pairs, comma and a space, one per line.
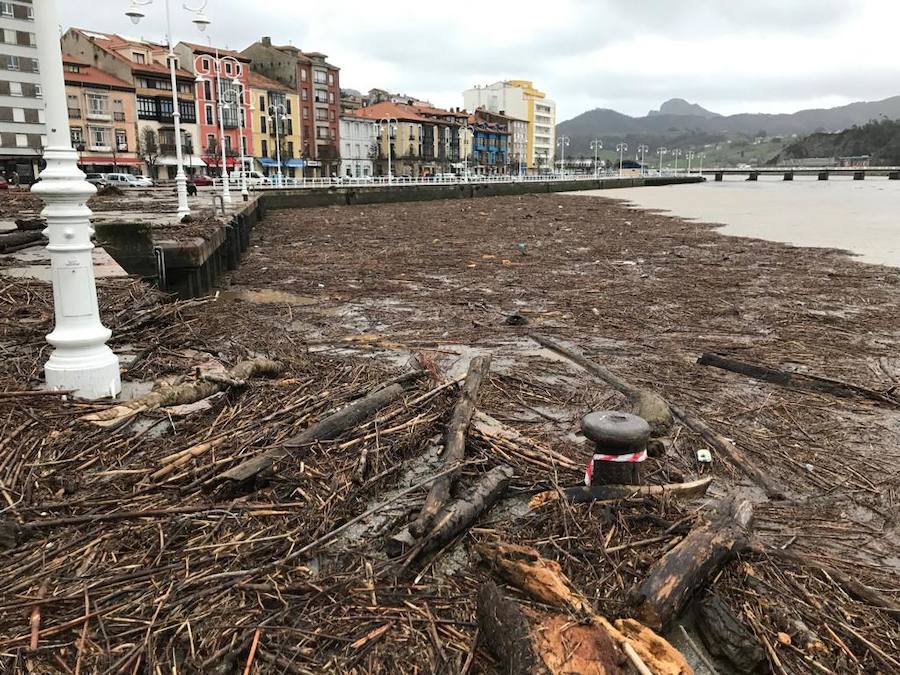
880, 140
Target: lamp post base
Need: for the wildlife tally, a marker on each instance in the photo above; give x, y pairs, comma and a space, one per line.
89, 373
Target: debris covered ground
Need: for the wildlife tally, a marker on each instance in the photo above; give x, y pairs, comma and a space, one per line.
125, 550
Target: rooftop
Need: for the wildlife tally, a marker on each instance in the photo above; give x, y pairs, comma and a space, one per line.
262, 82
88, 74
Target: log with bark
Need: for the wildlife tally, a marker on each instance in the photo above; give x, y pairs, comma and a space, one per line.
11, 242
676, 577
802, 381
590, 493
181, 393
726, 637
327, 429
734, 454
645, 403
530, 642
454, 444
544, 581
510, 440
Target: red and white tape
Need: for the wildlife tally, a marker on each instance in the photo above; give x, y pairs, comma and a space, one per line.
629, 458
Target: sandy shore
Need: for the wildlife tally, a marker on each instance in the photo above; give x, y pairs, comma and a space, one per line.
344, 297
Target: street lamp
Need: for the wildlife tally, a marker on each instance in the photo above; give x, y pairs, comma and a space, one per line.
642, 151
621, 147
463, 133
690, 156
277, 114
243, 105
390, 124
661, 152
676, 153
81, 361
563, 143
201, 21
701, 163
596, 145
218, 64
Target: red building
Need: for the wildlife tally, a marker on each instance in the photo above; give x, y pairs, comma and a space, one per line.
230, 80
318, 84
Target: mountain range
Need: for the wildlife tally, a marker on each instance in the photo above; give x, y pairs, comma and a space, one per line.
691, 124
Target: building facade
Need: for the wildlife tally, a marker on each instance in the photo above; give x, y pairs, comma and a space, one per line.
275, 103
144, 65
228, 84
102, 118
318, 84
22, 130
490, 143
519, 99
359, 139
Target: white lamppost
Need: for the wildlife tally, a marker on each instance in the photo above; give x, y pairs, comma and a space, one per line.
218, 64
596, 146
676, 153
243, 107
276, 115
563, 143
81, 361
621, 147
642, 151
690, 156
389, 124
135, 14
701, 163
463, 135
661, 152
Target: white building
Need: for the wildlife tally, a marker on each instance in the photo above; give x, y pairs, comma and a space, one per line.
22, 130
357, 147
519, 99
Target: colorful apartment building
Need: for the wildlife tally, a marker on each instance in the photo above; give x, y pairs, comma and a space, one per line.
222, 88
144, 65
102, 118
318, 84
276, 118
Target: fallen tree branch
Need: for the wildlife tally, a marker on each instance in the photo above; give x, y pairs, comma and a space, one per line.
679, 574
803, 381
645, 403
327, 429
454, 443
493, 430
183, 393
585, 493
731, 451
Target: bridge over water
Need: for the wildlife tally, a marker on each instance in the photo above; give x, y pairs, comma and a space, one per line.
788, 173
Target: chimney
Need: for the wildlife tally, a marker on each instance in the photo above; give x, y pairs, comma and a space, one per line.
267, 41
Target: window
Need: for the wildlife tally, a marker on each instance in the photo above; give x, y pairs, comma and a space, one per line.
320, 77
121, 140
330, 97
209, 114
6, 9
332, 115
306, 113
139, 57
96, 104
205, 64
228, 68
38, 92
303, 74
262, 123
331, 78
166, 109
321, 114
77, 136
73, 68
290, 149
265, 148
287, 105
207, 90
29, 14
262, 102
146, 108
210, 142
22, 140
18, 115
12, 62
15, 88
34, 66
321, 95
228, 144
98, 136
304, 95
188, 111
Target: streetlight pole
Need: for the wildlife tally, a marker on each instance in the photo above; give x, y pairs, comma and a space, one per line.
219, 64
135, 14
661, 152
563, 143
690, 156
596, 146
390, 124
621, 147
642, 152
243, 106
701, 163
277, 114
676, 153
463, 133
81, 361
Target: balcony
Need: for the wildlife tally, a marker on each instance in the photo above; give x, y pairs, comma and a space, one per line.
98, 115
74, 114
169, 148
119, 116
121, 147
100, 148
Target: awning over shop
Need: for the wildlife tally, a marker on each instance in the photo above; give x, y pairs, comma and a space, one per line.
189, 161
217, 161
104, 161
266, 161
296, 163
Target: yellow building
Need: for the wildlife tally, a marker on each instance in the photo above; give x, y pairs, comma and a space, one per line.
273, 102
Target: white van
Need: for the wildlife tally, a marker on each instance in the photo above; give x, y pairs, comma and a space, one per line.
128, 180
236, 177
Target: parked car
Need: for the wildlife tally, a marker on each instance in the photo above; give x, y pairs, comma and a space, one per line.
97, 179
128, 180
4, 184
253, 178
200, 181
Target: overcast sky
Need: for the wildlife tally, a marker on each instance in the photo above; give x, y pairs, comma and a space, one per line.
630, 55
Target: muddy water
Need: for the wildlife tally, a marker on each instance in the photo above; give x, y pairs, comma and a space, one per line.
856, 216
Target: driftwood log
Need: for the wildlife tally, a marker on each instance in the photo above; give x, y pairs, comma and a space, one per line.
529, 642
726, 637
734, 454
544, 581
185, 392
460, 514
591, 493
454, 444
327, 429
14, 241
803, 381
676, 577
645, 403
510, 440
